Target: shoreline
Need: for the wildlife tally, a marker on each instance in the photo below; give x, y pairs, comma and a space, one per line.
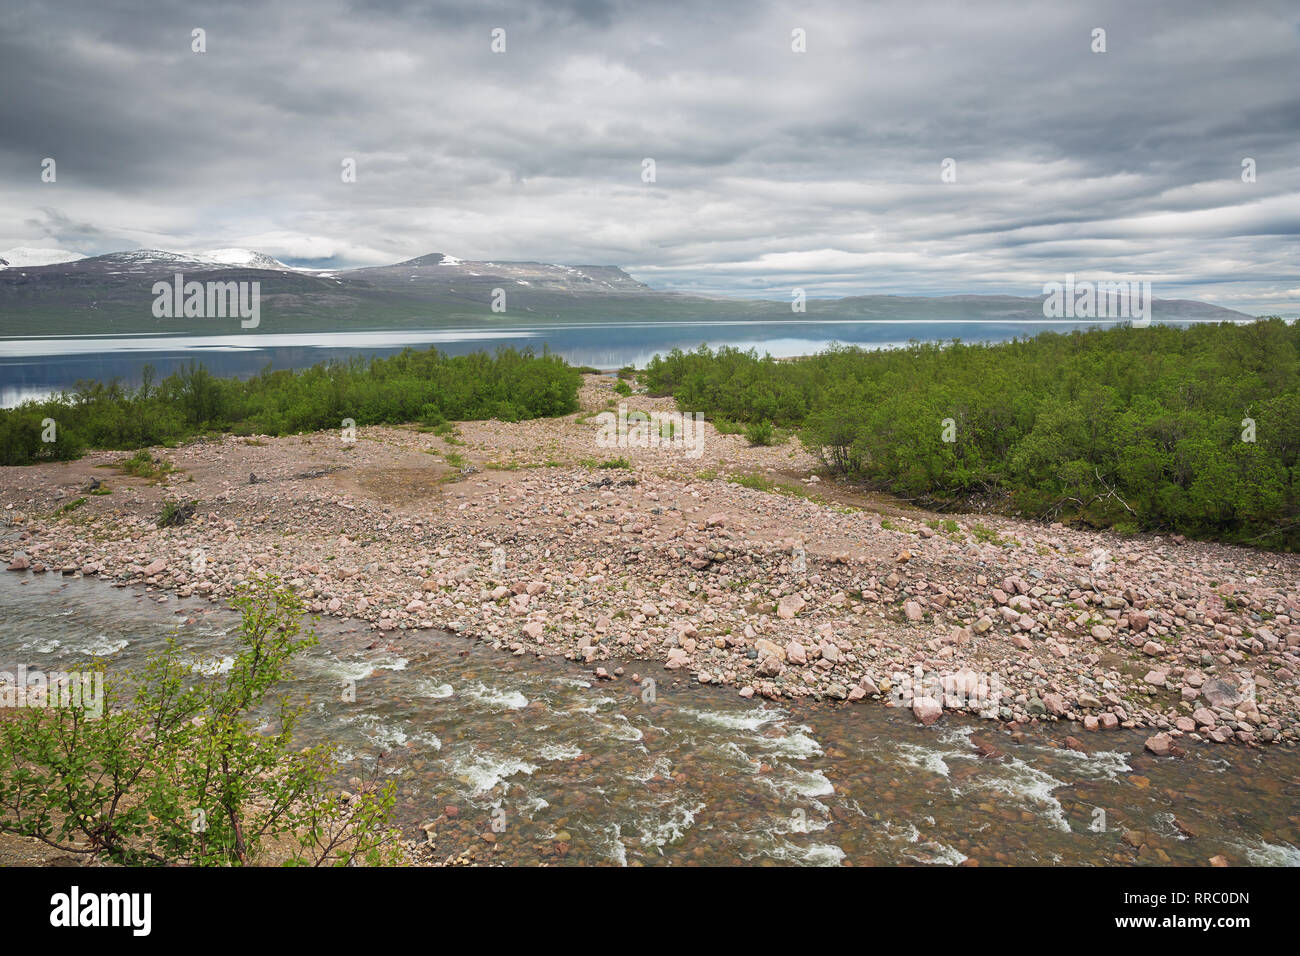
668, 561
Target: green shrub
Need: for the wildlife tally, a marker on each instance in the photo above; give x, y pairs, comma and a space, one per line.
173, 768
425, 387
759, 433
1193, 430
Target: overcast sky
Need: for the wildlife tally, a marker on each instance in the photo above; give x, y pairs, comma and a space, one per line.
773, 168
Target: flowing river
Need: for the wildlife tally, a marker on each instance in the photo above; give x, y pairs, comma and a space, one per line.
577, 771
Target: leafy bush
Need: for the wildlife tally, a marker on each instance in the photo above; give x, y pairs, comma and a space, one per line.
759, 433
1193, 430
427, 387
431, 415
175, 513
143, 465
174, 769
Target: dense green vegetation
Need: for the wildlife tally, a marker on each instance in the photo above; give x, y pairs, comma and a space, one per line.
424, 386
1129, 428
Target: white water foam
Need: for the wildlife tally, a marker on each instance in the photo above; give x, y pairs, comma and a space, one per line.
660, 767
100, 646
784, 851
572, 682
559, 752
617, 852
433, 689
533, 806
925, 758
497, 699
736, 720
357, 670
1106, 764
670, 828
210, 667
377, 731
624, 731
1272, 854
483, 772
42, 646
429, 739
801, 783
927, 851
740, 757
796, 745
1021, 780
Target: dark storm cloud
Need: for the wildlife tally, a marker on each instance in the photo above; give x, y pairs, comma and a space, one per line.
774, 169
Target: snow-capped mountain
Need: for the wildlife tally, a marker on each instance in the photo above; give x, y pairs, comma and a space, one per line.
440, 270
22, 257
152, 261
149, 260
244, 258
113, 293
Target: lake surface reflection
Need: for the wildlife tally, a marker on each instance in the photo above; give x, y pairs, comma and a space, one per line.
35, 367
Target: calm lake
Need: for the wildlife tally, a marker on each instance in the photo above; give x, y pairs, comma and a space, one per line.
35, 367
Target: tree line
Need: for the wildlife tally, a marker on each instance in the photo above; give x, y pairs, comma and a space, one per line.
1193, 430
413, 386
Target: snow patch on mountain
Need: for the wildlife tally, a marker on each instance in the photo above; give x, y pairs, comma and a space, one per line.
246, 258
30, 257
147, 260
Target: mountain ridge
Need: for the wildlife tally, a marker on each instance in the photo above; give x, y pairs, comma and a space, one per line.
112, 294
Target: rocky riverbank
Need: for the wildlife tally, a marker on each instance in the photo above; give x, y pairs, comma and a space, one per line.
783, 585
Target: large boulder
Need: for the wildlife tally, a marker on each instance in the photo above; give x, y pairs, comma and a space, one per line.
927, 710
1161, 744
1222, 693
789, 606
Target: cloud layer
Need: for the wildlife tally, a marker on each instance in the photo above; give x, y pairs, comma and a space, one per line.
773, 169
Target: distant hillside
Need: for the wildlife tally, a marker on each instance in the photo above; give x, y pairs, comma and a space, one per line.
112, 294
